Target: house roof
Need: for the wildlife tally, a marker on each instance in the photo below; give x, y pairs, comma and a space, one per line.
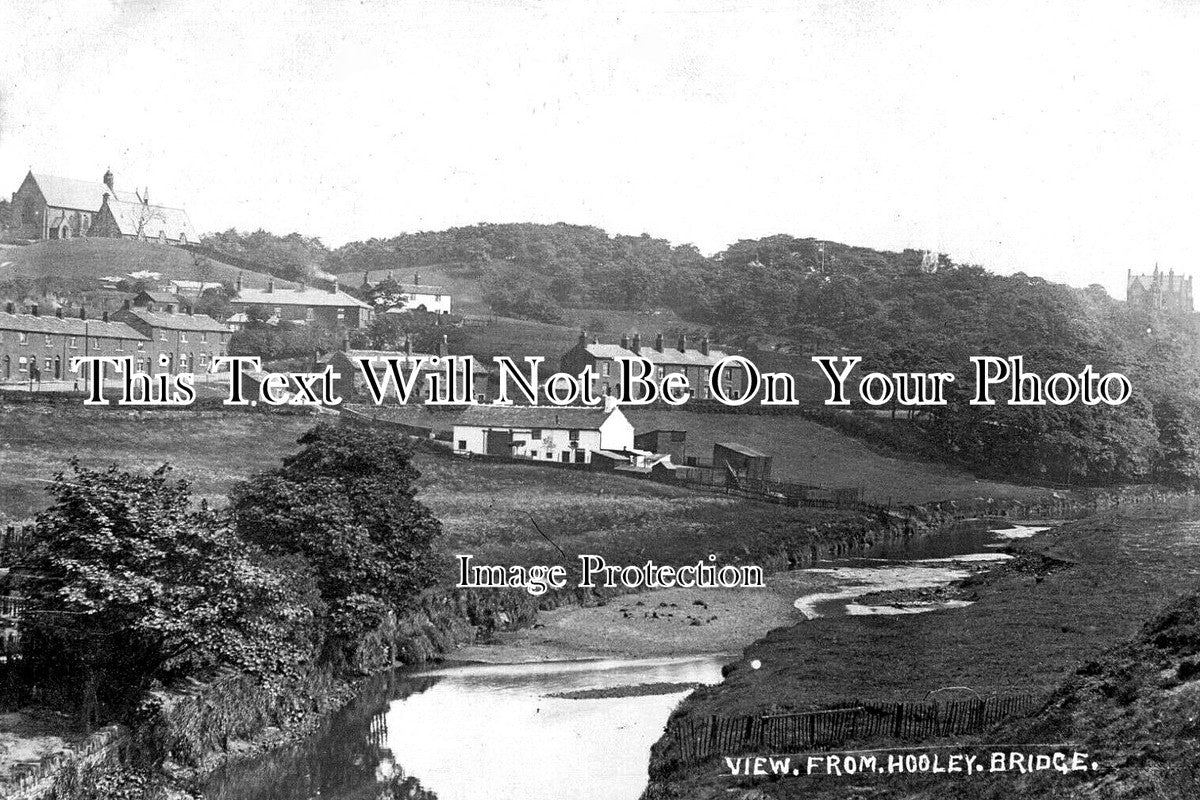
76, 194
199, 287
176, 322
135, 217
169, 298
669, 356
70, 326
565, 418
743, 449
297, 297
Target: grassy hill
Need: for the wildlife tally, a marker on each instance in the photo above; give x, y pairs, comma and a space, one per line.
97, 258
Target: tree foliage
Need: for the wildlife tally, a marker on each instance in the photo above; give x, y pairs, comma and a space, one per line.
130, 585
345, 503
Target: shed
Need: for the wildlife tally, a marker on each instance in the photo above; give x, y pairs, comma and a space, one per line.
667, 442
742, 461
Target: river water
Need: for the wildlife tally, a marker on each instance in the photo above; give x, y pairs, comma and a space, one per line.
494, 732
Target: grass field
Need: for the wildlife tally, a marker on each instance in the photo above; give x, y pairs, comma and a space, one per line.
1025, 632
96, 258
486, 509
804, 452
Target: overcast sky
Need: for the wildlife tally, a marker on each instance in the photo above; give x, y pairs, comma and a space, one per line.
1062, 139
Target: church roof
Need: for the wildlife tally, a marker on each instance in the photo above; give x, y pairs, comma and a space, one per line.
173, 223
76, 194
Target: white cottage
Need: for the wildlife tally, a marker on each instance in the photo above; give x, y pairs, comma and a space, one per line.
569, 435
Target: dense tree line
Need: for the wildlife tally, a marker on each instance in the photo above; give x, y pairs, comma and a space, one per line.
131, 584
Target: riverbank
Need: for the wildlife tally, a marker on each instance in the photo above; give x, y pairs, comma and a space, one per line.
1028, 627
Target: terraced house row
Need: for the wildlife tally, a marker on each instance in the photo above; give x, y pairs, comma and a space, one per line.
39, 348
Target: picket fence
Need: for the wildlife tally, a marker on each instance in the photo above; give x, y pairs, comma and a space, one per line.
699, 740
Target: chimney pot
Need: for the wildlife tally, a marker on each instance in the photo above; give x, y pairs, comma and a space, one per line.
658, 342
636, 344
333, 286
704, 346
83, 312
9, 308
270, 285
682, 343
624, 341
33, 309
104, 316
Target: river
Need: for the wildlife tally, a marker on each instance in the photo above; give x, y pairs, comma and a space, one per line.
495, 732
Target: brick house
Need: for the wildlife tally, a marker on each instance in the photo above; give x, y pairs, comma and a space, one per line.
330, 307
694, 362
189, 341
37, 347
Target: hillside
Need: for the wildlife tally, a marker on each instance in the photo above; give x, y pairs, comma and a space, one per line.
97, 258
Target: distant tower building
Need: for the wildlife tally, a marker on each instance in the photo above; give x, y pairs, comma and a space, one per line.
1160, 291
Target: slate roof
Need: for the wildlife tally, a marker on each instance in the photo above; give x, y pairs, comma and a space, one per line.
669, 356
173, 223
169, 298
76, 194
743, 449
69, 326
565, 418
176, 322
297, 297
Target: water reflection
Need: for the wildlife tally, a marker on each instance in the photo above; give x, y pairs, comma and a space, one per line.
488, 731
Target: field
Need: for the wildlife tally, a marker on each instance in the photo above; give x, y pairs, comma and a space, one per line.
97, 258
1027, 631
486, 509
804, 452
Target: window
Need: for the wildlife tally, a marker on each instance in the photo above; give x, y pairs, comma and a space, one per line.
678, 436
120, 345
533, 453
23, 338
162, 336
182, 337
141, 346
536, 433
204, 337
74, 343
607, 389
341, 314
573, 435
49, 341
604, 368
204, 359
462, 444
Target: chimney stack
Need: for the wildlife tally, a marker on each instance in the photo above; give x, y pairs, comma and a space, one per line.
408, 346
682, 343
58, 312
658, 342
9, 308
83, 312
126, 305
582, 337
416, 279
239, 282
108, 181
704, 345
636, 344
270, 285
346, 341
33, 309
333, 287
444, 346
624, 341
104, 316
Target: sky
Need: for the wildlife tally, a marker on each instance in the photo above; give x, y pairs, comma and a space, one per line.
1061, 139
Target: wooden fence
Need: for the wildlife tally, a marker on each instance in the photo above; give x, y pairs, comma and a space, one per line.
699, 740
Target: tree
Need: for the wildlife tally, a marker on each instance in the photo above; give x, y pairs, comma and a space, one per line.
346, 504
129, 586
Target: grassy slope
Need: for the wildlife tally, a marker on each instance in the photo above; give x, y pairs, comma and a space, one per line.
804, 452
95, 258
1023, 633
